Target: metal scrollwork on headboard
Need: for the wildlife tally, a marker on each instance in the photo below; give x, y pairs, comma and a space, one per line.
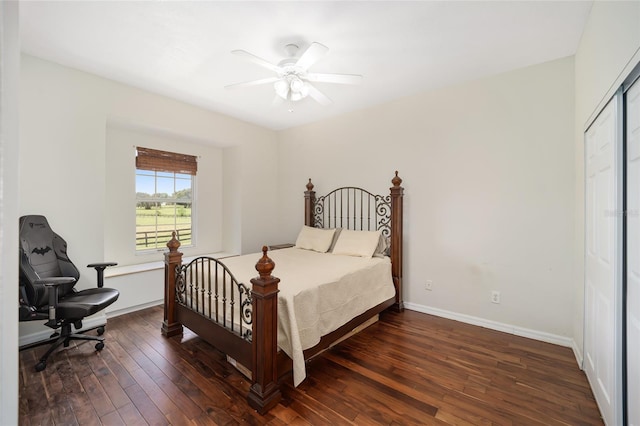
353, 208
383, 208
318, 213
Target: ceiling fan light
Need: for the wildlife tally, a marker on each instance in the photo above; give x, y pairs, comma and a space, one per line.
282, 88
296, 85
296, 96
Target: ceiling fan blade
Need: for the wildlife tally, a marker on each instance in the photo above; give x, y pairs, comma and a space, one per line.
310, 56
257, 60
335, 78
252, 83
318, 96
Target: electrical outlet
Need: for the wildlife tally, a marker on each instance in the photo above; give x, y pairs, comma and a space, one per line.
495, 296
428, 285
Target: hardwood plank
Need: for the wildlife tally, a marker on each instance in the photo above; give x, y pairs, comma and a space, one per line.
187, 407
112, 419
159, 398
109, 382
155, 393
332, 396
219, 404
119, 372
408, 368
76, 394
145, 406
131, 416
83, 409
97, 395
381, 399
378, 381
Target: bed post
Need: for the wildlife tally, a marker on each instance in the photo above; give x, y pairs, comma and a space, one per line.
309, 203
172, 260
396, 239
265, 391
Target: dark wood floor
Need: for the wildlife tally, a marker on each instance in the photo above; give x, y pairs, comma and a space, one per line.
408, 368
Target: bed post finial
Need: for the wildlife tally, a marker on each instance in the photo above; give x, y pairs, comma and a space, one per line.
397, 193
396, 181
309, 204
264, 393
265, 265
172, 263
173, 243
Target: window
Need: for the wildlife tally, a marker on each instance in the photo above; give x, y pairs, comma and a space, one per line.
164, 198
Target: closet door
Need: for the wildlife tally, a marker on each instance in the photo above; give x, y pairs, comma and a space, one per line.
603, 262
633, 253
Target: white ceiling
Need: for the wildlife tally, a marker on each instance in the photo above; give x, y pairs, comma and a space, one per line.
181, 49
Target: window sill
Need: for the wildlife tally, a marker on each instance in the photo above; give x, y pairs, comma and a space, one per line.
117, 271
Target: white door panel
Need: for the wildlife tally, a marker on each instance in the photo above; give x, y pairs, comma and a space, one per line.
589, 326
604, 346
603, 318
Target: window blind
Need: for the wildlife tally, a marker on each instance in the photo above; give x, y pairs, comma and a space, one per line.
164, 161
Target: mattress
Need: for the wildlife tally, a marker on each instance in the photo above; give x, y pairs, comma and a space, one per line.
319, 292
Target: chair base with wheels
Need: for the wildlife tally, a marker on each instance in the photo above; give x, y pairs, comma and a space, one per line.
65, 337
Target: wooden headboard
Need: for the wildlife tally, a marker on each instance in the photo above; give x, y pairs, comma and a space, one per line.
358, 209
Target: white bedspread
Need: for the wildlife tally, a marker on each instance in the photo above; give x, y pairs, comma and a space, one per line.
319, 292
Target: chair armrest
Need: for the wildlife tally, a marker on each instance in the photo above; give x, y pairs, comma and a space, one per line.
100, 267
54, 281
52, 284
101, 264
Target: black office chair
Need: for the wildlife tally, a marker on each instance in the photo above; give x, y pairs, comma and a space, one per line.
47, 280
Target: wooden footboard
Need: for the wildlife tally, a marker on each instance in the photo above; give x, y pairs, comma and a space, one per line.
258, 350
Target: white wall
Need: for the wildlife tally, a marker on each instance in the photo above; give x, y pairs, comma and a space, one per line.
66, 171
232, 200
488, 169
9, 153
608, 50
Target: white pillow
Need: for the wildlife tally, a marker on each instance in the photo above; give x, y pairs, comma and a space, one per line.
316, 239
357, 243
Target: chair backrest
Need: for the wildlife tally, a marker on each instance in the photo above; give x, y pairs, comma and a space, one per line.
43, 254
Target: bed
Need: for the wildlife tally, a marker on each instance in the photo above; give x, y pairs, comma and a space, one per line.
345, 268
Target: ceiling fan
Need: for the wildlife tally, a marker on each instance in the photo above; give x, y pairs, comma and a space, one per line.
293, 79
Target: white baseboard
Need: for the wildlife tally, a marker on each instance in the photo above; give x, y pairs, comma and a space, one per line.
43, 335
578, 354
130, 309
494, 325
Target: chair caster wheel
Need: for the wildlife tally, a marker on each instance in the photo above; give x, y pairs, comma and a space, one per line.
100, 331
99, 346
41, 366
